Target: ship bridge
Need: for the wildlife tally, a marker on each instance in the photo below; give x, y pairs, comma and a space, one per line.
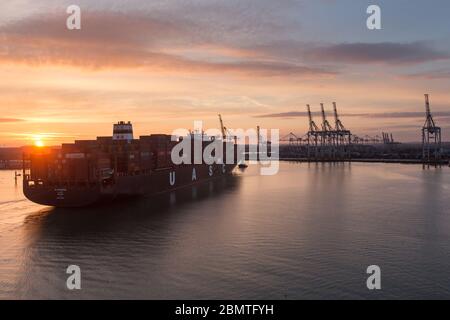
123, 131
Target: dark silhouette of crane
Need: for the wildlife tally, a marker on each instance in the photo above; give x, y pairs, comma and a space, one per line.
342, 137
337, 122
313, 134
312, 125
328, 136
325, 124
334, 141
431, 136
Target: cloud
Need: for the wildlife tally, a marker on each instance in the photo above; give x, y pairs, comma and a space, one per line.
10, 120
430, 75
289, 114
383, 52
404, 115
103, 28
169, 42
117, 40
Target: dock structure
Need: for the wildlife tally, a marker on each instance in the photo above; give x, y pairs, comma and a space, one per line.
293, 145
328, 142
431, 137
324, 142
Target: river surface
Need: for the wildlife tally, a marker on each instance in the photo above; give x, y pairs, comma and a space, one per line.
309, 232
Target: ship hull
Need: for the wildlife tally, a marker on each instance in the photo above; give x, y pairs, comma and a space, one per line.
144, 184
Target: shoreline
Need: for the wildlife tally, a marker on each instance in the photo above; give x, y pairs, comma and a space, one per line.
400, 161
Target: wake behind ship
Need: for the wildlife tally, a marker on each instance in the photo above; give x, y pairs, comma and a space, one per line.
91, 171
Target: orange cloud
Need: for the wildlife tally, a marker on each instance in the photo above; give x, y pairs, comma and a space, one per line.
9, 120
162, 70
113, 40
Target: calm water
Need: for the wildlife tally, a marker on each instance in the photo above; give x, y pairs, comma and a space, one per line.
308, 232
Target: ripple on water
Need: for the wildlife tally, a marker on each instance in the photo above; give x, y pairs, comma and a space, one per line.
308, 232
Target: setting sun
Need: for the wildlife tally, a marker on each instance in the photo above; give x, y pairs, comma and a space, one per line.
38, 141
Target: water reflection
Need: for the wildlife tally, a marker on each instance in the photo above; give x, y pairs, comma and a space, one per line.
131, 210
308, 232
112, 243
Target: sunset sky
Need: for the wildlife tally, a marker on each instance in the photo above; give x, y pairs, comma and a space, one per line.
164, 64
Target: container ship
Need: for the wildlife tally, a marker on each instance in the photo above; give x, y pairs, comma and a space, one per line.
87, 172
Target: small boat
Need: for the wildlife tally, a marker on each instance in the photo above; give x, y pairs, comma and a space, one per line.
242, 165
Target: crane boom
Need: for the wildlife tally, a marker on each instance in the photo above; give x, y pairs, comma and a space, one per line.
222, 128
325, 124
336, 118
338, 124
312, 124
429, 122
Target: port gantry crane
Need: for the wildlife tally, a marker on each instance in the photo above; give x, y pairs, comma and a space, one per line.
226, 134
334, 141
293, 139
342, 135
312, 125
326, 127
313, 134
431, 136
328, 135
293, 144
223, 129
